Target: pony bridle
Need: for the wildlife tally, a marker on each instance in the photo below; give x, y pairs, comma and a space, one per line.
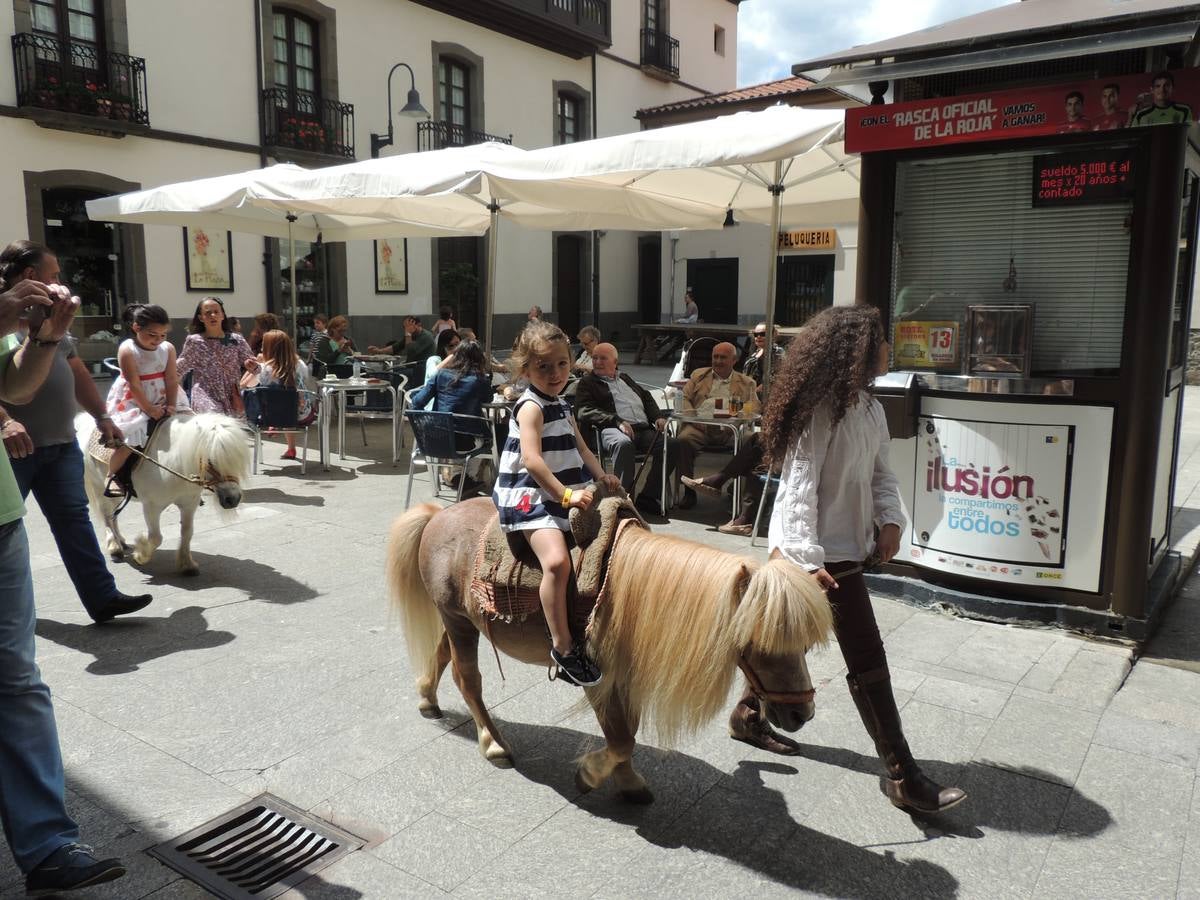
790, 698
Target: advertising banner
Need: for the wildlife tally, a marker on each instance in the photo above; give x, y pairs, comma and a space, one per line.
1106, 104
992, 494
925, 345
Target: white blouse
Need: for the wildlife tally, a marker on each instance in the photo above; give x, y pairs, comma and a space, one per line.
835, 487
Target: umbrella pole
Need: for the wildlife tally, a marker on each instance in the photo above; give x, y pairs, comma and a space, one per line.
489, 302
776, 189
291, 217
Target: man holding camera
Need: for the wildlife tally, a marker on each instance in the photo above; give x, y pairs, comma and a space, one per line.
42, 836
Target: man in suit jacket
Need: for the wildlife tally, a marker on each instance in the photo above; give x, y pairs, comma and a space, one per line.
628, 418
706, 385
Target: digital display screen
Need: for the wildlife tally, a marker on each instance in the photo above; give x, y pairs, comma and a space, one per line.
1078, 178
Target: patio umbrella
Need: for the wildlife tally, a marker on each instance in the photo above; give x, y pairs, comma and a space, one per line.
762, 166
450, 188
224, 202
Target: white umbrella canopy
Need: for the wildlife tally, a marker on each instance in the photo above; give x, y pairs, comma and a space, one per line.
223, 202
783, 161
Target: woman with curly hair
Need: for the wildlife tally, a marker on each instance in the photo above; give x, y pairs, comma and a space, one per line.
828, 437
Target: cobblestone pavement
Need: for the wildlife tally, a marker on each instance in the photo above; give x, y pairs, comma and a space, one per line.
277, 669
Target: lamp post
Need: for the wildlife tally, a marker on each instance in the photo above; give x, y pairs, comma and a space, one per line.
412, 108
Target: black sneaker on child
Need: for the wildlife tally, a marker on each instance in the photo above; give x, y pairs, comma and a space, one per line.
576, 667
69, 868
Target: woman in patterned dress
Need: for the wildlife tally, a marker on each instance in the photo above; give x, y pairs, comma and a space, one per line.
216, 358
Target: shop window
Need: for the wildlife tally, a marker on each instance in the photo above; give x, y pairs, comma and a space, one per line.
967, 233
312, 286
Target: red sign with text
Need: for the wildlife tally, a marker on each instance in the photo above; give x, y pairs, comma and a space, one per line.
1106, 104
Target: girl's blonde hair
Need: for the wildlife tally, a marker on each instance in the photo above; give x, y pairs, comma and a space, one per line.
279, 353
536, 339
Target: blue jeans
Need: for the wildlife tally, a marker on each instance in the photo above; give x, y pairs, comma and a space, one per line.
31, 770
55, 475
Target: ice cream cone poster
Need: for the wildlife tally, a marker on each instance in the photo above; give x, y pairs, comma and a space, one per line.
993, 492
207, 259
391, 266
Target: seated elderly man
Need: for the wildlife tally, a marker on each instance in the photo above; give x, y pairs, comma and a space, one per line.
706, 385
628, 418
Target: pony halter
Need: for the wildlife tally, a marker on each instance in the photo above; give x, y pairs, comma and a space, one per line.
790, 698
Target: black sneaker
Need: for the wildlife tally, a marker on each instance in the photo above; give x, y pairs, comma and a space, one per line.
69, 868
576, 667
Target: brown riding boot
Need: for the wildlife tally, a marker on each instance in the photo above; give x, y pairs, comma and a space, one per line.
746, 724
906, 785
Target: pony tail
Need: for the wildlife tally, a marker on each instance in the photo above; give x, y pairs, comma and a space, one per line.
423, 627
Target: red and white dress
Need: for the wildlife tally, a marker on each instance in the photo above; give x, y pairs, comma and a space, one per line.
152, 369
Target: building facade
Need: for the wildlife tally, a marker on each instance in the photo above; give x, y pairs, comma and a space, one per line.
106, 96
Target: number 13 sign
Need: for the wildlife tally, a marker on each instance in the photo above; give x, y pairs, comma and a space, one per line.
926, 345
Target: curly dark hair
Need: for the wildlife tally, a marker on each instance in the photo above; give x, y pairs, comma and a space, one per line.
831, 359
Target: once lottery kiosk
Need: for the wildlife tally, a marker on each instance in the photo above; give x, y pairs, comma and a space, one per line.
1032, 252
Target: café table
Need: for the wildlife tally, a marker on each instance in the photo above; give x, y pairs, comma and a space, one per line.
736, 424
336, 390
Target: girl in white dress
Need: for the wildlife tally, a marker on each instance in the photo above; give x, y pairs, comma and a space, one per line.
147, 388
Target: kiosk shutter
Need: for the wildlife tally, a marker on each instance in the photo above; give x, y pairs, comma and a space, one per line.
960, 221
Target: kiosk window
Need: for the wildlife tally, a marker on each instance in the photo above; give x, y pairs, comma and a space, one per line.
968, 233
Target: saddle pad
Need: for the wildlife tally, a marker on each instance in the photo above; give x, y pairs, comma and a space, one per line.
506, 576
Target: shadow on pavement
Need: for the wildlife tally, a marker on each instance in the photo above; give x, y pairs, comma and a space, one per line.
750, 827
123, 645
274, 495
258, 580
317, 888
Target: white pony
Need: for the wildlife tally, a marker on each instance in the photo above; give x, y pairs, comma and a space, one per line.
209, 446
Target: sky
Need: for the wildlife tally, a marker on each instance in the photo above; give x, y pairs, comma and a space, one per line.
774, 34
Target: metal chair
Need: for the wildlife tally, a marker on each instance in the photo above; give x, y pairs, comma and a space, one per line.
278, 408
698, 354
770, 480
445, 439
375, 403
111, 364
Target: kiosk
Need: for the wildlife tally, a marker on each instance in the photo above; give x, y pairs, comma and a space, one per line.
1035, 273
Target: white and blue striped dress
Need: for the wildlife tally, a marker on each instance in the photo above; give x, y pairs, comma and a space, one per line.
523, 504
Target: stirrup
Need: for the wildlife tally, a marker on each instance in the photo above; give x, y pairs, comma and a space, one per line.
114, 489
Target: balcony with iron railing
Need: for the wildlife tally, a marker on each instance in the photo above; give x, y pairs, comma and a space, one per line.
572, 27
78, 79
660, 53
301, 120
439, 135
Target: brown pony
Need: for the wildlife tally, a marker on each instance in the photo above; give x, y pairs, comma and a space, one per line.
677, 621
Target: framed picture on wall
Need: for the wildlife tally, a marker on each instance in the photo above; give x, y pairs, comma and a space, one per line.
207, 259
391, 266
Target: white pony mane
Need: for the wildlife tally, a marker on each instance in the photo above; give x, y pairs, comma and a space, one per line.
209, 440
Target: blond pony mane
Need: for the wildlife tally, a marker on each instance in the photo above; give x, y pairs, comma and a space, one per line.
675, 618
209, 440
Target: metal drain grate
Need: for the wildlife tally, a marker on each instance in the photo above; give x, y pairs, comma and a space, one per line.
258, 850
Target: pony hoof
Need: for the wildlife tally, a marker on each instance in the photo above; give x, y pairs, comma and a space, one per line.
190, 571
640, 796
496, 753
431, 712
580, 785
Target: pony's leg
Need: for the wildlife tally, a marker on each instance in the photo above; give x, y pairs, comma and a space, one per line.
183, 557
145, 545
615, 759
114, 543
464, 652
427, 685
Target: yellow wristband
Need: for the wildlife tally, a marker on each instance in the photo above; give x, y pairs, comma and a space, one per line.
566, 500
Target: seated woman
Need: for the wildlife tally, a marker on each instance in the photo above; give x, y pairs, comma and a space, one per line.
333, 348
279, 365
447, 342
462, 386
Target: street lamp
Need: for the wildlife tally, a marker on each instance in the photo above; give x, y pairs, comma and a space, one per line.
412, 108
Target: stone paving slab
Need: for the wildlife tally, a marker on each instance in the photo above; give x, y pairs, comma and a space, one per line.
279, 668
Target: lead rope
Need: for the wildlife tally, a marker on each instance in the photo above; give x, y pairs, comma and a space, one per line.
205, 484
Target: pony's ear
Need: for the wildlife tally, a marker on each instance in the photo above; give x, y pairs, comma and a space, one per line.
743, 579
